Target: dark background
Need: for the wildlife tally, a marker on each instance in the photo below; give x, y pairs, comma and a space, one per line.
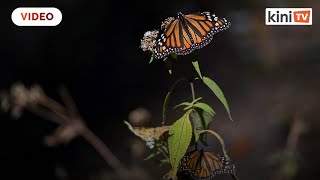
268, 74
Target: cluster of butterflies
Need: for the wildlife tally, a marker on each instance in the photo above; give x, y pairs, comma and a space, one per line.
185, 33
204, 165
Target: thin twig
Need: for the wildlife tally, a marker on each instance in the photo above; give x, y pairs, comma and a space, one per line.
105, 153
46, 114
54, 106
94, 140
53, 111
68, 101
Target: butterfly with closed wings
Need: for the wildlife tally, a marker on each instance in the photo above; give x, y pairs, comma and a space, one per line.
184, 34
204, 165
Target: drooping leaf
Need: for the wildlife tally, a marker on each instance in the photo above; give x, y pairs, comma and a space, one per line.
205, 107
145, 133
167, 99
151, 59
218, 92
197, 68
180, 135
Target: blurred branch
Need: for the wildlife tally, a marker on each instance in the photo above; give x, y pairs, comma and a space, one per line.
68, 101
106, 153
297, 128
71, 123
288, 154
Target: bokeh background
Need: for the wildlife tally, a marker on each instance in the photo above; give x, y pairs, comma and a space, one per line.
269, 74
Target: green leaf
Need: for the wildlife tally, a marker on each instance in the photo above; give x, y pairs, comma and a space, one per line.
205, 107
196, 100
218, 92
180, 135
182, 104
151, 59
188, 105
201, 118
197, 68
196, 136
152, 155
167, 99
164, 148
164, 161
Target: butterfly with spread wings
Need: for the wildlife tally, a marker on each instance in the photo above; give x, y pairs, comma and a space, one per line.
204, 165
186, 33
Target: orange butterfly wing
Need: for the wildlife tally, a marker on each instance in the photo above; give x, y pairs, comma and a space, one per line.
202, 27
194, 33
204, 165
175, 39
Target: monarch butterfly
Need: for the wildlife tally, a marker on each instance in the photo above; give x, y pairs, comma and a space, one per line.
204, 165
184, 34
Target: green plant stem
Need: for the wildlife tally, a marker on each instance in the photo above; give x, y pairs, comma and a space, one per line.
166, 100
194, 122
192, 91
220, 140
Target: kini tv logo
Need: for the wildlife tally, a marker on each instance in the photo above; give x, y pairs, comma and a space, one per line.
288, 16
